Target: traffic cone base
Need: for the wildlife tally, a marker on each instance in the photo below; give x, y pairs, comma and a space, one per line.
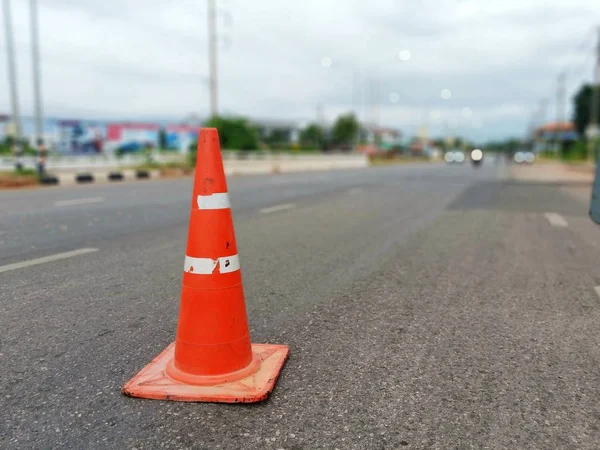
155, 381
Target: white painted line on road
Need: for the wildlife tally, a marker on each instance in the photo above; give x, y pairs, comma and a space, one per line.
45, 259
218, 200
556, 220
597, 289
276, 208
79, 201
353, 191
206, 266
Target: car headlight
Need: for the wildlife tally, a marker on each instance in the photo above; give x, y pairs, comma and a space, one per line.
459, 157
476, 155
529, 157
449, 157
519, 157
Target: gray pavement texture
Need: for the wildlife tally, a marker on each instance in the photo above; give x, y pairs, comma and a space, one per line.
436, 308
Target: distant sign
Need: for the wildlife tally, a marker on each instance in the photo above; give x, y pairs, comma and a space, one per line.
180, 137
131, 137
77, 136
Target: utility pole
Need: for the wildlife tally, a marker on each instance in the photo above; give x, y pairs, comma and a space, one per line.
366, 108
37, 89
212, 56
541, 117
530, 128
320, 116
594, 113
375, 96
35, 56
560, 108
377, 102
12, 82
355, 107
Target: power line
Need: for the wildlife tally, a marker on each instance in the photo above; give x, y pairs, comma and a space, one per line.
566, 70
583, 45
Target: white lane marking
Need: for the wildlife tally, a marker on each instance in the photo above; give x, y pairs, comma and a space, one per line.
45, 259
353, 191
206, 266
276, 208
556, 220
79, 201
597, 289
214, 201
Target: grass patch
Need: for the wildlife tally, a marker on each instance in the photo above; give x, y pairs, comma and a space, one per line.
174, 169
390, 161
19, 179
6, 150
149, 165
170, 169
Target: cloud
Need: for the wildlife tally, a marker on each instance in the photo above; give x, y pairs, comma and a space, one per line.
140, 59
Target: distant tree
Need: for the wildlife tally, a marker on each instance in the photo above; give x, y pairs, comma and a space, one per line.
345, 130
507, 145
440, 143
582, 108
162, 139
313, 135
235, 133
277, 139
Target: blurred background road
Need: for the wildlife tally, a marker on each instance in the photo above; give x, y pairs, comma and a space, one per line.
429, 306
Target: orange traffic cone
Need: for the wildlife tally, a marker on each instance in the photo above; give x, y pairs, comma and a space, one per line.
212, 359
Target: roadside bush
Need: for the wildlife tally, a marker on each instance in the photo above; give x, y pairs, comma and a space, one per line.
576, 152
235, 133
6, 147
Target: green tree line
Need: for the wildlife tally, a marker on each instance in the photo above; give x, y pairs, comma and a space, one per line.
238, 133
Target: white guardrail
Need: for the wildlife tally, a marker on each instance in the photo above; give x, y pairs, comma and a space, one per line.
235, 162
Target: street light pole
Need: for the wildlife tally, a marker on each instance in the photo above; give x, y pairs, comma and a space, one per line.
12, 82
212, 56
37, 89
560, 101
541, 116
35, 56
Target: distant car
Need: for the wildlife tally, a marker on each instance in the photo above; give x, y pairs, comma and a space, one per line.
476, 157
524, 157
454, 157
130, 147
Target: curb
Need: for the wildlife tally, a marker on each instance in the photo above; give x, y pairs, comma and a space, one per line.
49, 180
84, 178
114, 176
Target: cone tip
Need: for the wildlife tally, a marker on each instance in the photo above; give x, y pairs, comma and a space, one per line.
208, 140
207, 133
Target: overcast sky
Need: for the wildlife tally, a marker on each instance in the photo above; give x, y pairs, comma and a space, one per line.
280, 59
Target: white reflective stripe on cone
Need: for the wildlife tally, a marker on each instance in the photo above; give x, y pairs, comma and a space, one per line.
206, 266
229, 264
213, 201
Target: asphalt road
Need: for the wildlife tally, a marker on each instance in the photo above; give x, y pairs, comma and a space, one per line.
426, 306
